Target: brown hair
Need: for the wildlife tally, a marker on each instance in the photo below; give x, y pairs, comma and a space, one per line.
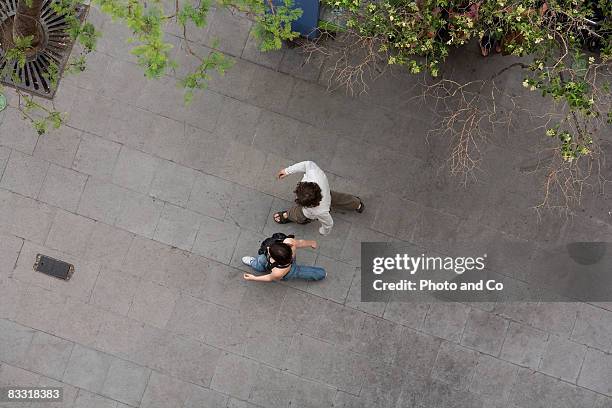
308, 194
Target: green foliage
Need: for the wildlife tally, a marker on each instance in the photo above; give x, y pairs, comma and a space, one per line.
197, 15
41, 117
145, 22
419, 34
274, 26
84, 33
18, 52
198, 79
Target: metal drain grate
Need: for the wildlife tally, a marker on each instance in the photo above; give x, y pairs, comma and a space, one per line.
55, 49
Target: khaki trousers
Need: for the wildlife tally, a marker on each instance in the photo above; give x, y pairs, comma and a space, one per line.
339, 201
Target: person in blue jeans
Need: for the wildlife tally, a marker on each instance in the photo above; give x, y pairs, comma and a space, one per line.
278, 263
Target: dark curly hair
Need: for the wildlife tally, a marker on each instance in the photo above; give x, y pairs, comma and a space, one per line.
308, 194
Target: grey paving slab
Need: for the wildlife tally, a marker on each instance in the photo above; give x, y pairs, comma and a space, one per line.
17, 133
135, 170
206, 398
15, 341
237, 120
310, 394
353, 300
10, 246
274, 388
485, 332
114, 291
153, 304
524, 345
184, 358
336, 366
388, 336
248, 208
177, 227
9, 297
90, 112
267, 342
240, 163
164, 391
562, 359
63, 188
455, 365
48, 355
596, 371
539, 390
70, 233
235, 375
10, 374
275, 133
203, 112
337, 282
126, 382
59, 146
269, 89
351, 252
493, 378
446, 395
28, 218
173, 183
304, 104
4, 156
603, 402
87, 368
122, 80
446, 320
210, 196
24, 174
108, 245
216, 239
139, 214
101, 200
120, 336
129, 125
84, 323
96, 156
230, 30
593, 327
87, 399
38, 308
146, 257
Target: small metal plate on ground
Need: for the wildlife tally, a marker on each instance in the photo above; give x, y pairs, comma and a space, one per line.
53, 267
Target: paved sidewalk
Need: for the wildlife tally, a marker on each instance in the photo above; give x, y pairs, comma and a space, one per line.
155, 203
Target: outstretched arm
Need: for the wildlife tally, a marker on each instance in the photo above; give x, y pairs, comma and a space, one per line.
275, 275
301, 243
301, 167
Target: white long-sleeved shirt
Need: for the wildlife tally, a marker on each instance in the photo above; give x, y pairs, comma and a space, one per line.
314, 174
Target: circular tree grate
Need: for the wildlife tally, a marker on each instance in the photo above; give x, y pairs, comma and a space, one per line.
54, 50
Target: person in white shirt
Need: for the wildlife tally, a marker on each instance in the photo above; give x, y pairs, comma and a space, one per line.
314, 199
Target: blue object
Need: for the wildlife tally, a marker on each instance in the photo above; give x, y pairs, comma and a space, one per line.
310, 273
307, 24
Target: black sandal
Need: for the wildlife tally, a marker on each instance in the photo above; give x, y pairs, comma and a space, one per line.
283, 217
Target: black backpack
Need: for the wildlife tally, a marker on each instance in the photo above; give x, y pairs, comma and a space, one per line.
277, 237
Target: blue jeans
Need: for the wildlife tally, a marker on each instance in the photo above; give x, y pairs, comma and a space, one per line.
304, 272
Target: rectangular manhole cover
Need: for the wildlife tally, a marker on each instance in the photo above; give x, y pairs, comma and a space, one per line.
53, 267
